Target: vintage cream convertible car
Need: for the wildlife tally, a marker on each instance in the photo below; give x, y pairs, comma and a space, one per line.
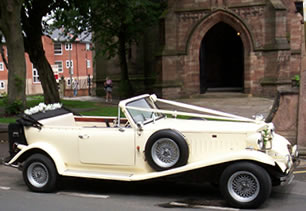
243, 156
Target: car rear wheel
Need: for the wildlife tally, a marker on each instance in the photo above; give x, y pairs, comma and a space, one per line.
166, 149
245, 185
39, 173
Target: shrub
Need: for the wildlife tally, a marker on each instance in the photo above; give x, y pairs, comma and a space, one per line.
12, 108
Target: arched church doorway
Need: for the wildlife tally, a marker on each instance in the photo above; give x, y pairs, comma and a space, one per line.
221, 59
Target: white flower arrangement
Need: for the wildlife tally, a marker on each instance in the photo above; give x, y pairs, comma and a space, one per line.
41, 107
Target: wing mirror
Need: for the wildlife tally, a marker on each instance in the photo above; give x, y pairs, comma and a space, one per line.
140, 126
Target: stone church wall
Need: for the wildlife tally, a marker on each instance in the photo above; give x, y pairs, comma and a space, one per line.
271, 32
167, 62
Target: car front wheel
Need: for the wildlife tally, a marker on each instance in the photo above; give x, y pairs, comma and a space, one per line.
39, 173
245, 185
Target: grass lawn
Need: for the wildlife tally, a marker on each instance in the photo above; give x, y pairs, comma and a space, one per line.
83, 107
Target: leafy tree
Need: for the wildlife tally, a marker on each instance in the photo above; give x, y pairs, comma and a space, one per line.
33, 25
115, 25
11, 29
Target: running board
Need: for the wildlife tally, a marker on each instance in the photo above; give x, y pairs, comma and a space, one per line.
98, 175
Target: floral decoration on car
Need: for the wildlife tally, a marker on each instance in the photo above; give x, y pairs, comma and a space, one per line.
41, 107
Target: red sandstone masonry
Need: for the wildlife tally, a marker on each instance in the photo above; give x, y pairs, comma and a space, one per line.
259, 26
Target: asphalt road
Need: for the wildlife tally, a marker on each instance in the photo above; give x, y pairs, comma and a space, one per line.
83, 194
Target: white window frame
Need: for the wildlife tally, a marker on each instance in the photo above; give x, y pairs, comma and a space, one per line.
2, 84
69, 63
57, 53
60, 69
88, 63
1, 66
68, 46
68, 82
35, 75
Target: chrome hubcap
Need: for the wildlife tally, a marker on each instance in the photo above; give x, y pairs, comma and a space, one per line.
243, 186
165, 152
37, 174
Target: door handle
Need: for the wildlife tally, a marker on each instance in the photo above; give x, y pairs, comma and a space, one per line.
84, 136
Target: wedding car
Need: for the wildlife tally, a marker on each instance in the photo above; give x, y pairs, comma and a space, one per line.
153, 138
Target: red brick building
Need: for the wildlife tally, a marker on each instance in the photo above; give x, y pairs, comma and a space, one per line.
253, 46
69, 60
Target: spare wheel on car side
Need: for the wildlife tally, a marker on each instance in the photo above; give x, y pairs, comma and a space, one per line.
166, 149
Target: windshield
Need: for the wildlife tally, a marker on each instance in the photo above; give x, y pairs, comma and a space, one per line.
142, 115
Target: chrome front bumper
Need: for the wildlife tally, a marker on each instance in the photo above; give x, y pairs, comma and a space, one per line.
291, 165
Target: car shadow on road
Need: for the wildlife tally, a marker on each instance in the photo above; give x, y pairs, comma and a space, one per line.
150, 187
178, 192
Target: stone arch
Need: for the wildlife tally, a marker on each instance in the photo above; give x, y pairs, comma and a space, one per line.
192, 70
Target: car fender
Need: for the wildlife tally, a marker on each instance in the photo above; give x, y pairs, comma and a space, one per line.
252, 155
47, 148
248, 155
245, 155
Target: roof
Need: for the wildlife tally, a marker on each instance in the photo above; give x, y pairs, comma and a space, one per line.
59, 36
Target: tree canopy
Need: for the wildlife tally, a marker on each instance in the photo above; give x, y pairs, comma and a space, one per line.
115, 24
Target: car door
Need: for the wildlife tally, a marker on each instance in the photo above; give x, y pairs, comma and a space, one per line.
109, 146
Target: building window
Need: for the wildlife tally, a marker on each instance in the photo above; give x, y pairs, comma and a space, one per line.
35, 75
1, 66
88, 63
68, 46
57, 48
69, 63
87, 46
59, 66
2, 85
68, 82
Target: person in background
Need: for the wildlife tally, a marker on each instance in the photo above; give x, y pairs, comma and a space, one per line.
108, 86
89, 84
75, 85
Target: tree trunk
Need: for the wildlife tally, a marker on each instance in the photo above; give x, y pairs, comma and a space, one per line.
11, 28
45, 72
125, 86
32, 27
